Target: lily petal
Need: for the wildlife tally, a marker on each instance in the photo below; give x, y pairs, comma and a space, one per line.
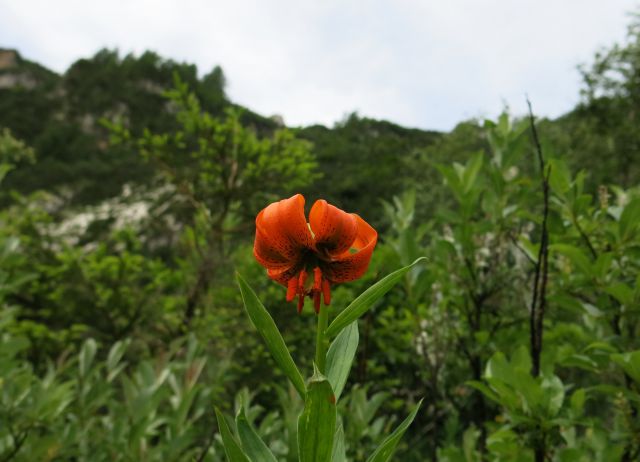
335, 245
282, 234
350, 266
334, 230
283, 276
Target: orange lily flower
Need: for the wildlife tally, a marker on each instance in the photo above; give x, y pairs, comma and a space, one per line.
308, 258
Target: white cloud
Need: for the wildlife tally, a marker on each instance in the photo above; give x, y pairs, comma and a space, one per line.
420, 63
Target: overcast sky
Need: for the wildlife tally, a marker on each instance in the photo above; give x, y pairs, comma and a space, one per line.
427, 64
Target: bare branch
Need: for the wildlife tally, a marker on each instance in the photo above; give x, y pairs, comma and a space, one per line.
539, 298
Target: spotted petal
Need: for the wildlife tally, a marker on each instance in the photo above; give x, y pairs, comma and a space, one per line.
351, 265
334, 230
282, 234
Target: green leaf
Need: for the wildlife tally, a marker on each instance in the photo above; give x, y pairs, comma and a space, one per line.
592, 310
630, 219
570, 455
385, 450
621, 292
600, 346
581, 361
529, 248
470, 441
471, 171
484, 389
602, 265
553, 391
340, 357
231, 447
339, 452
4, 169
12, 346
367, 298
317, 423
630, 362
578, 399
503, 439
253, 446
452, 179
116, 352
502, 378
498, 367
576, 255
560, 177
85, 358
521, 359
267, 328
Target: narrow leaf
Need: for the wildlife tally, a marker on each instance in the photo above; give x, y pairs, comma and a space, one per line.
253, 446
85, 358
340, 357
484, 389
231, 447
339, 452
629, 219
452, 180
471, 171
630, 362
116, 352
267, 328
317, 423
385, 450
367, 298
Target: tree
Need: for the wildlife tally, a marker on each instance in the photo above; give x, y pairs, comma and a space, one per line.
220, 175
606, 131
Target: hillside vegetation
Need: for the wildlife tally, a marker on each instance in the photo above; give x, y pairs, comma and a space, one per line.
129, 191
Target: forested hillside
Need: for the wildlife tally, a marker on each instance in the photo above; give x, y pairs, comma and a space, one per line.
130, 187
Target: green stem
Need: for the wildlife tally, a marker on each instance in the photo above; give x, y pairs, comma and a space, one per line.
321, 341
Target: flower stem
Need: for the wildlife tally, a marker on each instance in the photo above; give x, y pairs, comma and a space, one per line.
321, 341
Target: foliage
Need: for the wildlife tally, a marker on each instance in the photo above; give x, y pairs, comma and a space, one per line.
219, 165
474, 296
317, 438
362, 160
599, 135
218, 171
59, 116
121, 327
86, 409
